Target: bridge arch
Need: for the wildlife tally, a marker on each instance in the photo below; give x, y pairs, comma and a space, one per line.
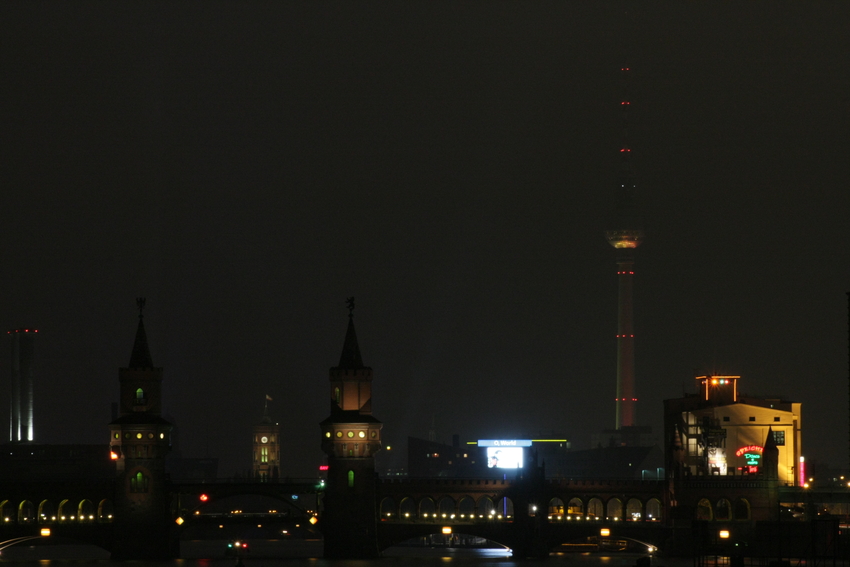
104, 511
595, 508
704, 510
634, 510
85, 511
555, 508
466, 507
65, 511
505, 508
575, 507
654, 510
446, 507
6, 511
486, 507
407, 508
614, 508
742, 509
388, 508
46, 512
26, 512
427, 509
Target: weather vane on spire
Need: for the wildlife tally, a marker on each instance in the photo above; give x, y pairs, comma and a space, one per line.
350, 303
140, 302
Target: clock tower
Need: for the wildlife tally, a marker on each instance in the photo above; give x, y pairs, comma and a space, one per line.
350, 439
266, 454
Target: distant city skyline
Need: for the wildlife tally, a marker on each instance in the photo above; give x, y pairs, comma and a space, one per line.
247, 169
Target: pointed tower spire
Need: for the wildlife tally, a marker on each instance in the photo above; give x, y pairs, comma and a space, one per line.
141, 355
350, 358
770, 456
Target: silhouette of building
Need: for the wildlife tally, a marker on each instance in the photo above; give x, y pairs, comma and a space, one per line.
429, 459
140, 440
21, 424
718, 431
266, 447
350, 438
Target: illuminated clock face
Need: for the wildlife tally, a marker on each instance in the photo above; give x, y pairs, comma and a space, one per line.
361, 434
264, 439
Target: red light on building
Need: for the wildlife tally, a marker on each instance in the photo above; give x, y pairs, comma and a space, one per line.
113, 455
323, 467
203, 497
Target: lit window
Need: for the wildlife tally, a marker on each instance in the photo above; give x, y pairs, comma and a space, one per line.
779, 437
264, 454
138, 482
350, 479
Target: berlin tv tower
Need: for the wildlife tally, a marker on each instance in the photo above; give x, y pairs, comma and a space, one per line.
625, 235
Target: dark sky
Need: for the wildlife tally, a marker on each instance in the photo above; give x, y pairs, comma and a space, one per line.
247, 166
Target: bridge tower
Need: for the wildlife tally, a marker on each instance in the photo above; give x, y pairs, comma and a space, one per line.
139, 440
350, 439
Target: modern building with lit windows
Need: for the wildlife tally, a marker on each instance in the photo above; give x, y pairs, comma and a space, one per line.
719, 431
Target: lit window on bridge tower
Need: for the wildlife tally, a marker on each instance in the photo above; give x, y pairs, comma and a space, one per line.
138, 482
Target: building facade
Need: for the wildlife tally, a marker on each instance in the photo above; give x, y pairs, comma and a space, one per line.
718, 431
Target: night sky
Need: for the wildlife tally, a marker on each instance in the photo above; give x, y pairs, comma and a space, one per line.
452, 165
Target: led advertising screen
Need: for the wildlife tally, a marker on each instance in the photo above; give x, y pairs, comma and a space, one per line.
504, 457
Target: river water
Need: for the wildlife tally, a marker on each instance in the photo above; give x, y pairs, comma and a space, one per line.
274, 553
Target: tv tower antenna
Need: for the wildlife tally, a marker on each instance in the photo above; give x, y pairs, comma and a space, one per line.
625, 235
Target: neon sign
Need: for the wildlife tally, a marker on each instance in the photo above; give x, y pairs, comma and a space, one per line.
751, 453
749, 449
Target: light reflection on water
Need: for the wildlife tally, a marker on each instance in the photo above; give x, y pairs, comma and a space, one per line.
307, 554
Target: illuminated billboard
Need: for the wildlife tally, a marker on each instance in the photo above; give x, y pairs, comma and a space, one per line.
504, 457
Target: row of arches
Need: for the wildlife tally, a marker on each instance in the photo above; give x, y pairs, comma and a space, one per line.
486, 508
85, 511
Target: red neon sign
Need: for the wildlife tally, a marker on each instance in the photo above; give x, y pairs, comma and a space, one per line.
749, 449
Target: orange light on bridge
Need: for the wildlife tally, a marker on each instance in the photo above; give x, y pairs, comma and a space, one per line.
179, 521
604, 532
113, 455
447, 530
45, 532
313, 520
723, 534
